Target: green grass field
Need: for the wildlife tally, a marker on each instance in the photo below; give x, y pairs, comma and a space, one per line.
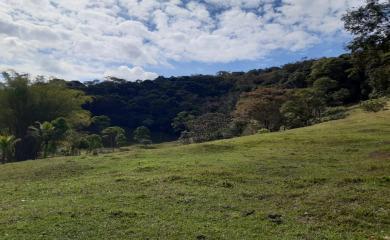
328, 181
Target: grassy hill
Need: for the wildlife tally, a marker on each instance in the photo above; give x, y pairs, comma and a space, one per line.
329, 181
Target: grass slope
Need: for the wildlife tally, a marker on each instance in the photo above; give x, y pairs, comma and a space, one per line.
329, 181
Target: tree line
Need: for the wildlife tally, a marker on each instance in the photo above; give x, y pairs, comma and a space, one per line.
41, 118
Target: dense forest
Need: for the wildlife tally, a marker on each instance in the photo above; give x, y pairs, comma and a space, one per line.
42, 117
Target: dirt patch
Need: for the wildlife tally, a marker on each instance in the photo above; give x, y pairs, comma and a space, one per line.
146, 169
382, 155
122, 214
370, 130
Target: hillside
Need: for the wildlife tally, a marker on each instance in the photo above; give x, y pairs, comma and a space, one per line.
328, 181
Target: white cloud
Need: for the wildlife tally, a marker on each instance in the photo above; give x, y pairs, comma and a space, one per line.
84, 38
131, 74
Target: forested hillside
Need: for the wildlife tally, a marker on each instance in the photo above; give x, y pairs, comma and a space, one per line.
155, 104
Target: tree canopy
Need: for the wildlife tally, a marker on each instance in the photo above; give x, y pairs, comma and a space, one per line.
24, 102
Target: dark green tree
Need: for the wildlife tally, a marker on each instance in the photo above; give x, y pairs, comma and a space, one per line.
304, 108
100, 122
74, 142
370, 24
94, 142
179, 123
111, 136
61, 126
121, 140
142, 135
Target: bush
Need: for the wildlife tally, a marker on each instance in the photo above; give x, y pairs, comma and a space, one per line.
142, 135
94, 142
252, 127
237, 127
334, 113
114, 137
263, 130
373, 105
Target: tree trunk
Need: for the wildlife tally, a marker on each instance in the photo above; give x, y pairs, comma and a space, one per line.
3, 158
45, 149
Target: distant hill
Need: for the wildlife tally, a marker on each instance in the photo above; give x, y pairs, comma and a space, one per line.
155, 104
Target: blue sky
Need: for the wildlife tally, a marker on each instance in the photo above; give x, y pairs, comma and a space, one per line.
141, 39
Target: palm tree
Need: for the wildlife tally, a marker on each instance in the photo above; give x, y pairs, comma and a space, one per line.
44, 132
7, 147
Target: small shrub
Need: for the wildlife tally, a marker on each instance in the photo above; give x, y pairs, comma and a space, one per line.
334, 113
185, 138
263, 130
251, 127
373, 105
147, 146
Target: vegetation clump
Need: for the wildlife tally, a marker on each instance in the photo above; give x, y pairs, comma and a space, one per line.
263, 130
7, 147
334, 113
374, 105
114, 137
142, 135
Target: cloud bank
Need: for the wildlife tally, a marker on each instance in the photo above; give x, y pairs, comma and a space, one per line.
131, 74
89, 39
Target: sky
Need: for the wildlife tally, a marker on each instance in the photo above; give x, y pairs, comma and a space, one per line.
142, 39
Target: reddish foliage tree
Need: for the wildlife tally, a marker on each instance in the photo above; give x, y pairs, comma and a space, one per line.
262, 105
